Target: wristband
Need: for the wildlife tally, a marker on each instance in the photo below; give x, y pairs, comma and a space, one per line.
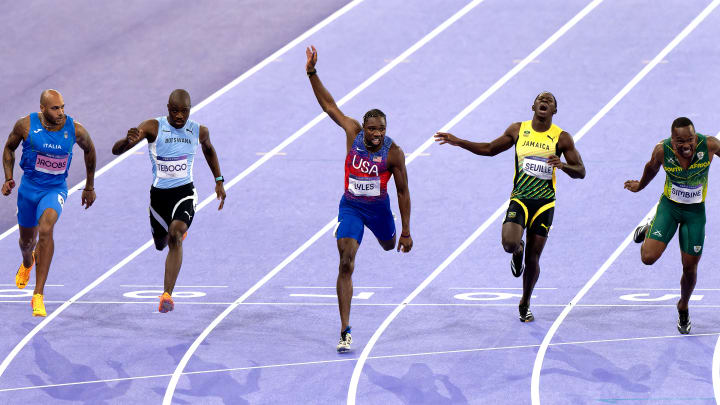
88, 189
312, 73
220, 178
402, 235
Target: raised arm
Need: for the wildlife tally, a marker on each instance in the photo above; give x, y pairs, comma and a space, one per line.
651, 170
326, 101
82, 138
500, 144
17, 135
574, 166
396, 163
212, 161
146, 130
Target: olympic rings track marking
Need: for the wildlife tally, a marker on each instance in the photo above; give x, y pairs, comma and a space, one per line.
537, 366
424, 40
391, 356
305, 35
355, 379
201, 105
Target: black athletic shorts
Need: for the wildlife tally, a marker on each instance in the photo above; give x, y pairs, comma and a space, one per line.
535, 215
170, 204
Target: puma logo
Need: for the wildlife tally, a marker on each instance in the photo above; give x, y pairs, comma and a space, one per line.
551, 138
545, 226
188, 214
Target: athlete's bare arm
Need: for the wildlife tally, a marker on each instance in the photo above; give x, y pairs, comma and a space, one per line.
713, 147
82, 138
396, 165
212, 161
326, 101
146, 130
651, 170
501, 144
17, 135
574, 166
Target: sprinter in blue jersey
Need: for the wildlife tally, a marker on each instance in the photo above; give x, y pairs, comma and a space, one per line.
371, 159
172, 143
47, 139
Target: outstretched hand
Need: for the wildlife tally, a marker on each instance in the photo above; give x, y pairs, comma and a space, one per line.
632, 185
8, 186
445, 137
311, 54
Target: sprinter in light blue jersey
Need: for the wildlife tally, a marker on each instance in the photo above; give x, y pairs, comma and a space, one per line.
47, 138
172, 143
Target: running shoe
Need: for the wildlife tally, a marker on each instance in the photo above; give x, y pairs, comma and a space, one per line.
525, 314
38, 305
517, 265
684, 324
640, 233
23, 274
166, 303
345, 341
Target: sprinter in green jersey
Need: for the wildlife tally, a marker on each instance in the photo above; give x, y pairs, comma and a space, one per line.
686, 158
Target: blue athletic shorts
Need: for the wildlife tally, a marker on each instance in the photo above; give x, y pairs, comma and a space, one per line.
33, 200
354, 217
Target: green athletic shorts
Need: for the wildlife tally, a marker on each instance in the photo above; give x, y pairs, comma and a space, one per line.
690, 217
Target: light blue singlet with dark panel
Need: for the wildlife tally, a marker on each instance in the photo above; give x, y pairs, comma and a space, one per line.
45, 161
173, 152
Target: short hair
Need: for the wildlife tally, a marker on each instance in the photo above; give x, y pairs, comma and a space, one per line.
373, 113
681, 122
543, 92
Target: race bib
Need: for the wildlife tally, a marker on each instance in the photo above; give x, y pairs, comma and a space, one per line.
686, 194
364, 186
537, 167
172, 167
51, 164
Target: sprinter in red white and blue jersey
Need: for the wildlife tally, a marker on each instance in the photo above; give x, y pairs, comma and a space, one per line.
372, 158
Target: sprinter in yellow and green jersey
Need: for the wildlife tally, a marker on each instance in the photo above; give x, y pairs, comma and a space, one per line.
538, 147
686, 157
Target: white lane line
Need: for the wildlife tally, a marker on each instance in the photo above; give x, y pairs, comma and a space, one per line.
535, 380
177, 286
32, 285
499, 288
391, 356
355, 379
663, 289
41, 325
427, 38
393, 304
305, 35
332, 287
716, 372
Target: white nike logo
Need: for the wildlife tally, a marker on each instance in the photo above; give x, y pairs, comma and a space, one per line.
356, 148
37, 130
